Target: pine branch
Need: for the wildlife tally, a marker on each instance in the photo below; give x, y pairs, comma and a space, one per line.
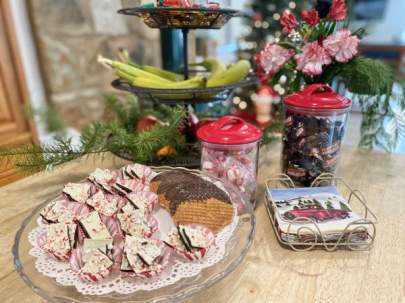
100, 137
366, 76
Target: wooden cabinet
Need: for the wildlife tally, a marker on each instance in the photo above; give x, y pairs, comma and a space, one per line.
15, 128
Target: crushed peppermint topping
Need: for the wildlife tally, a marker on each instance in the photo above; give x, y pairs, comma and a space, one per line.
103, 177
94, 227
134, 223
145, 201
99, 202
78, 192
148, 250
54, 210
97, 263
104, 245
57, 240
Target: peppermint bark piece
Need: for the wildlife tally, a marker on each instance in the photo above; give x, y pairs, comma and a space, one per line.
107, 206
146, 249
93, 227
104, 245
51, 212
97, 267
190, 241
140, 172
196, 237
78, 192
104, 178
145, 201
133, 223
58, 242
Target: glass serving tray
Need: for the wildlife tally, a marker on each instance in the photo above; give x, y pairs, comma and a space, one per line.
46, 287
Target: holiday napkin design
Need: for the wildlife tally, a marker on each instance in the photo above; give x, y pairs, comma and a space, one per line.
305, 213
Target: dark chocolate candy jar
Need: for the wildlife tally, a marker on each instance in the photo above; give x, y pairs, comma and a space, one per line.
314, 125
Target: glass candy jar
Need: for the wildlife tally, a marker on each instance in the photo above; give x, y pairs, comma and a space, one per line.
230, 151
314, 125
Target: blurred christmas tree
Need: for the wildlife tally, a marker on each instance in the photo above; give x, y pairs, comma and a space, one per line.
263, 24
262, 27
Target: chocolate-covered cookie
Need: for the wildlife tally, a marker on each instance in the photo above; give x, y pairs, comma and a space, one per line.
191, 199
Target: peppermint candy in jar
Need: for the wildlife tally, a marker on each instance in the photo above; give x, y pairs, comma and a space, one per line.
230, 151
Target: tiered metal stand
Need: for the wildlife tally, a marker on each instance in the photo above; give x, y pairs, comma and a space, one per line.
185, 19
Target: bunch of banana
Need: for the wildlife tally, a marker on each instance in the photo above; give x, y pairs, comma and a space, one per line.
142, 78
147, 76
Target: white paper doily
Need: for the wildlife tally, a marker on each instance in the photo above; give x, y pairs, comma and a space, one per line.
122, 283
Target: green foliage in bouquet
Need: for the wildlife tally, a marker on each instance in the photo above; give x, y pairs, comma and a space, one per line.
118, 134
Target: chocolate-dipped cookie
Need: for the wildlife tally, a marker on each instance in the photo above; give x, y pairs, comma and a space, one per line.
193, 200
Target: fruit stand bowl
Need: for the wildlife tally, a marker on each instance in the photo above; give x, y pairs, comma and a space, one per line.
235, 249
182, 17
184, 96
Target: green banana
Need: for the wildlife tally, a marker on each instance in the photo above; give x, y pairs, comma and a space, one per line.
212, 65
162, 73
123, 75
123, 56
129, 69
233, 74
196, 82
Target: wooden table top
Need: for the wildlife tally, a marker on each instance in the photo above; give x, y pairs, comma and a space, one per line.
269, 273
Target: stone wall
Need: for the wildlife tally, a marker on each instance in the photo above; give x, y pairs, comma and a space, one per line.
70, 34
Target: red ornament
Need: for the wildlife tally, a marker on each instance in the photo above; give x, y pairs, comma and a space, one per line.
147, 122
258, 17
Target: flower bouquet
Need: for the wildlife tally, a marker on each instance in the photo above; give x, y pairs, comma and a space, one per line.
312, 49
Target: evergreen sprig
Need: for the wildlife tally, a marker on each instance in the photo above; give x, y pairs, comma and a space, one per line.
366, 76
117, 135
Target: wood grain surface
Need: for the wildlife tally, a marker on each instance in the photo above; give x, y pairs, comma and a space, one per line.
269, 273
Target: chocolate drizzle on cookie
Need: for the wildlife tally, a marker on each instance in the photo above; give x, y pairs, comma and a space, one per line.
200, 190
179, 187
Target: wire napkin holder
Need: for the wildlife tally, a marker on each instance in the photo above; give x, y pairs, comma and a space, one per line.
309, 235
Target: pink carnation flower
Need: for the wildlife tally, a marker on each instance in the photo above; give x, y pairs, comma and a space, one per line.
273, 57
312, 58
342, 45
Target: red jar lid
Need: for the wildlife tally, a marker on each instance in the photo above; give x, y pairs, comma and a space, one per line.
229, 130
318, 96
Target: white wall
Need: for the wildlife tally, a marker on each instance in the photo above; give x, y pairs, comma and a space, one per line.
391, 29
29, 58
